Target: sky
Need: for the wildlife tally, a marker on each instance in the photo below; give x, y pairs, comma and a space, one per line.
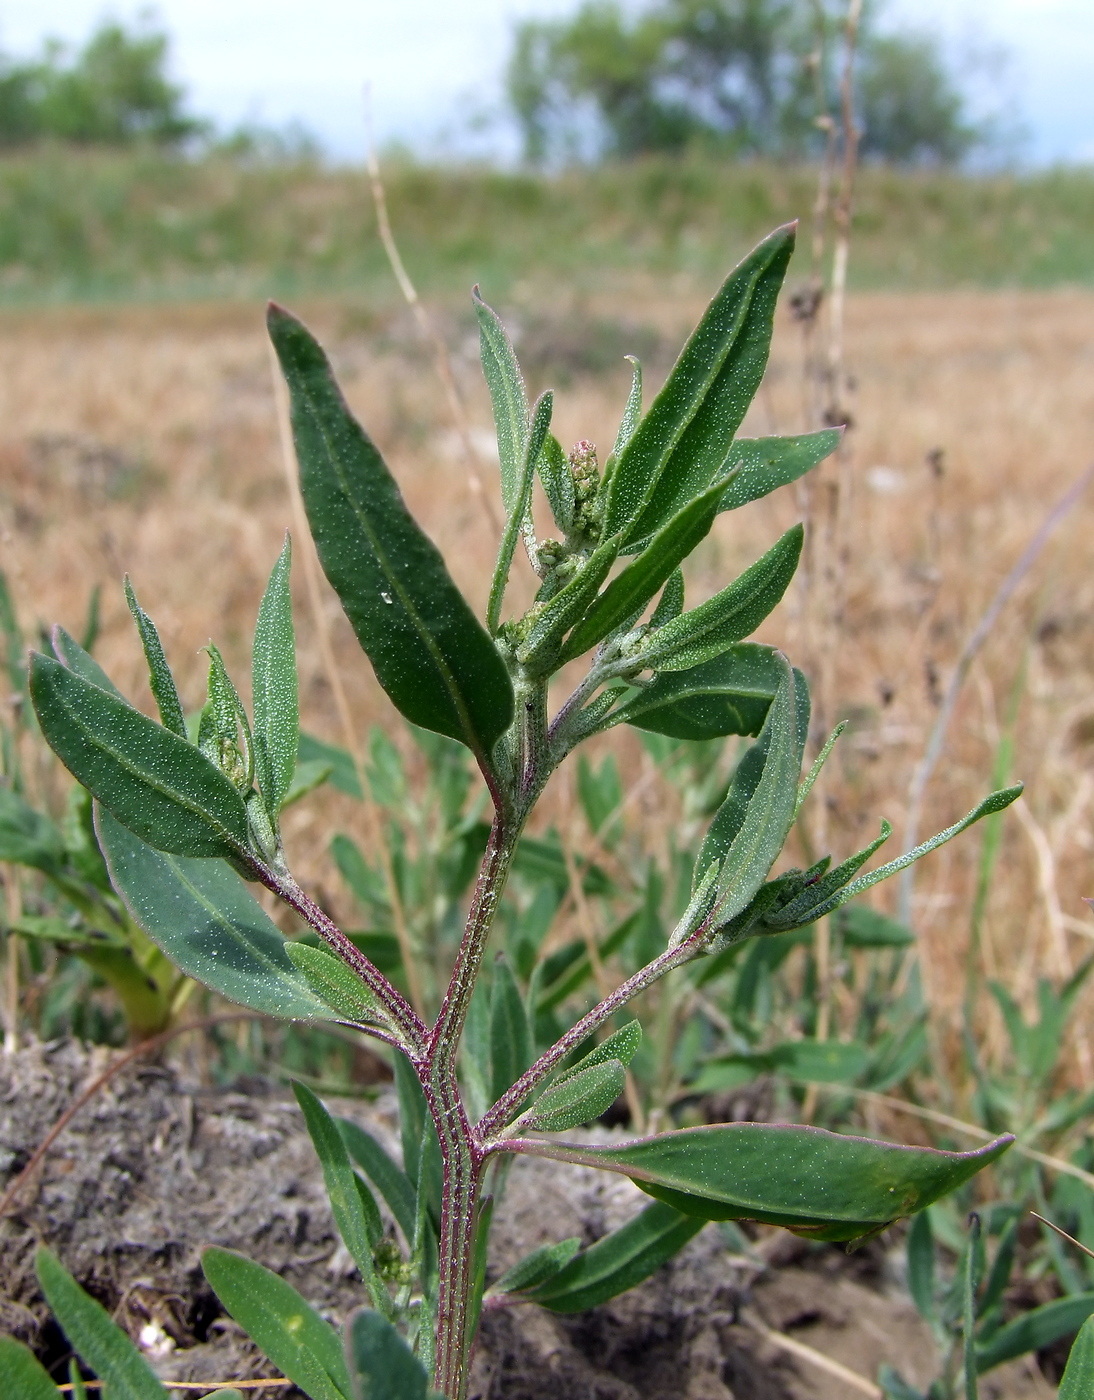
434, 66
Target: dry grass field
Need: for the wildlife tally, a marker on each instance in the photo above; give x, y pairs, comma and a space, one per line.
144, 440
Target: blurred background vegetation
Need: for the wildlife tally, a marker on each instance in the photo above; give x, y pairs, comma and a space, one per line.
664, 138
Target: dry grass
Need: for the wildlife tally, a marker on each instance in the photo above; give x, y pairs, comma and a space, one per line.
145, 441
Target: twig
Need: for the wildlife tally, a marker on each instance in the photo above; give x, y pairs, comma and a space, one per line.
146, 1047
814, 1357
209, 1386
977, 638
441, 361
334, 680
1063, 1234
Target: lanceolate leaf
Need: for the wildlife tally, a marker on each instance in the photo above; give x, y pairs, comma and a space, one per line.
355, 1212
154, 782
820, 1184
99, 1340
391, 1181
280, 1323
621, 1045
803, 909
335, 984
579, 1098
28, 1378
274, 686
632, 413
70, 653
508, 397
430, 653
28, 837
751, 826
519, 513
510, 1032
729, 694
382, 1365
619, 1261
732, 614
1077, 1382
681, 444
207, 922
1033, 1330
630, 591
160, 680
536, 1268
761, 465
558, 483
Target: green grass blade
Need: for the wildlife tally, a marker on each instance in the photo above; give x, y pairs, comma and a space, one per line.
1077, 1382
389, 1179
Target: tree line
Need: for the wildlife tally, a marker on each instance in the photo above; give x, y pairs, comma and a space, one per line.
613, 81
741, 77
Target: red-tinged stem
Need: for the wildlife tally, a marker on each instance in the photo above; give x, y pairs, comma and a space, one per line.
510, 1101
411, 1032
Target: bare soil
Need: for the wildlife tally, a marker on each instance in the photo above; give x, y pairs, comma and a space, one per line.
153, 1169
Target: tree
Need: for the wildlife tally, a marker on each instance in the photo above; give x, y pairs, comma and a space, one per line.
910, 110
113, 91
742, 76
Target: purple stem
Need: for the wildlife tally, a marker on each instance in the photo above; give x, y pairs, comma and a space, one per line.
511, 1100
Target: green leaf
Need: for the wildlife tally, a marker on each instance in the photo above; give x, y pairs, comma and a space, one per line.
621, 1045
579, 1098
730, 694
816, 899
671, 603
207, 922
1036, 1329
155, 783
619, 1261
70, 653
335, 984
538, 653
343, 775
510, 1032
823, 1185
519, 512
28, 837
751, 826
381, 1364
160, 680
98, 1339
682, 443
27, 1377
224, 731
280, 1323
429, 652
274, 687
732, 614
1077, 1382
994, 802
630, 591
761, 465
355, 1212
921, 1264
558, 483
508, 398
390, 1180
815, 1061
632, 412
413, 1116
539, 1266
860, 927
